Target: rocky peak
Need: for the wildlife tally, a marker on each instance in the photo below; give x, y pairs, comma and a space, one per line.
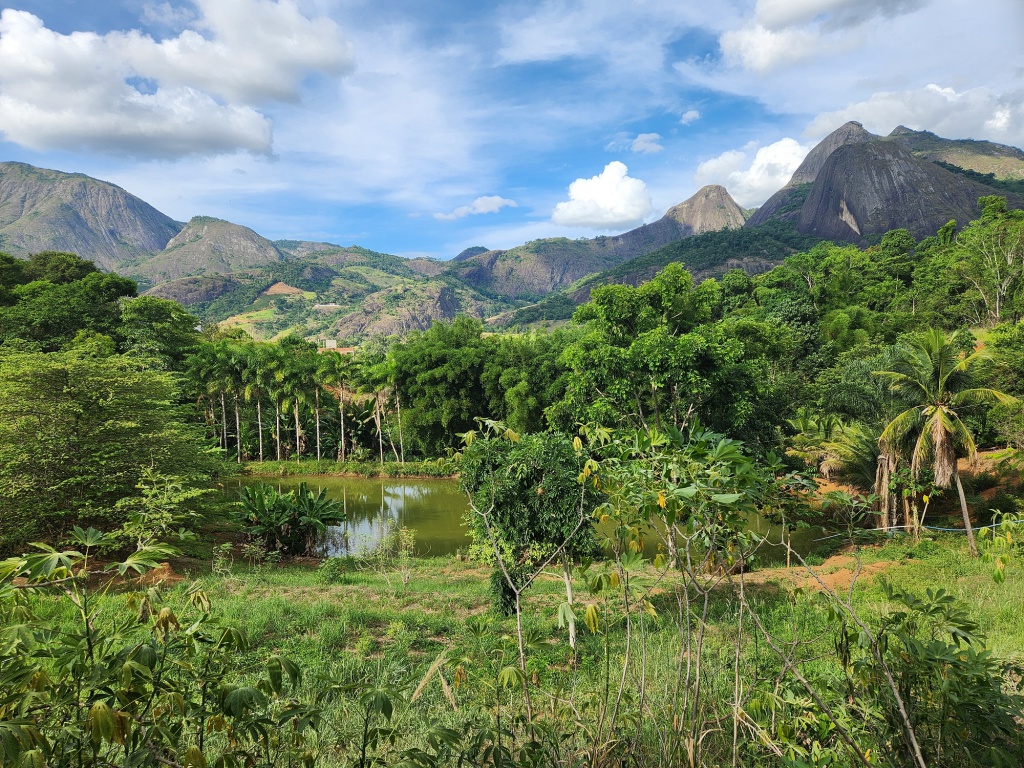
848, 133
469, 253
709, 210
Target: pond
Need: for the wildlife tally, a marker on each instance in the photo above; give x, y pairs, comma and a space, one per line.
434, 509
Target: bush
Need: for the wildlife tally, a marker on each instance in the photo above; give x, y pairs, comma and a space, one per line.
952, 688
335, 570
290, 523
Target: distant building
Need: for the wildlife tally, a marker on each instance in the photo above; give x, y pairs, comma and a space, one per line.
331, 345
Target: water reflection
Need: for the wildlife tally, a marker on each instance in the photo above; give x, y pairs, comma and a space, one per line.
433, 508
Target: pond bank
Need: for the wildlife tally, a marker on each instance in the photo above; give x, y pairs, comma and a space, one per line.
330, 468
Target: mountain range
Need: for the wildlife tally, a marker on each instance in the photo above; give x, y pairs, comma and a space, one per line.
852, 187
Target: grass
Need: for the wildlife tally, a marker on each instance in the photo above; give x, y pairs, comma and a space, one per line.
373, 625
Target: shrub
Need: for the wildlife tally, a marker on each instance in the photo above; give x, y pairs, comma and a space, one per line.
290, 523
335, 570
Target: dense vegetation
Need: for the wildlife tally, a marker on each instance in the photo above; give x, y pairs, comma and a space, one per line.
612, 466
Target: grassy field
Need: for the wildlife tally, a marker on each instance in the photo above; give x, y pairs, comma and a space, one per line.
423, 630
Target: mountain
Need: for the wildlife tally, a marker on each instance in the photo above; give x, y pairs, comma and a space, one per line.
877, 186
1002, 161
207, 246
44, 210
854, 184
325, 290
710, 254
786, 203
542, 266
709, 210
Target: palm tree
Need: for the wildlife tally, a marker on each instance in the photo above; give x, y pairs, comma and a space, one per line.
335, 371
933, 374
258, 376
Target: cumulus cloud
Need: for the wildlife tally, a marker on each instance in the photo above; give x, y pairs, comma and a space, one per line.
974, 113
754, 173
196, 93
609, 200
485, 204
690, 116
785, 32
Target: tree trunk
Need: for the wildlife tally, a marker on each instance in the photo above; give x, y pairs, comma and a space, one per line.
223, 423
567, 575
401, 439
259, 423
277, 428
238, 431
380, 434
298, 432
886, 505
341, 411
318, 423
967, 515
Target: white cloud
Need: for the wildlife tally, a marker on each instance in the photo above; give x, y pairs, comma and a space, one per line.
196, 93
610, 200
974, 113
776, 14
642, 143
690, 116
751, 181
485, 204
761, 49
785, 32
646, 144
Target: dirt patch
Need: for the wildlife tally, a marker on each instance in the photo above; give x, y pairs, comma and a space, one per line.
162, 574
839, 577
837, 574
282, 289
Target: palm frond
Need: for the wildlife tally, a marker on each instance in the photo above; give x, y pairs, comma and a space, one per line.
900, 426
981, 396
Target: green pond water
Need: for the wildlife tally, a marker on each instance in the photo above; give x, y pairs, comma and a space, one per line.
435, 508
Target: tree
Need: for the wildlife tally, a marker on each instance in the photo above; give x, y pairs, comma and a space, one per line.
438, 372
991, 252
934, 373
76, 435
50, 314
158, 328
528, 504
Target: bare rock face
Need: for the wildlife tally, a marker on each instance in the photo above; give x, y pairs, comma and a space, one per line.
44, 210
710, 210
876, 186
193, 290
208, 246
786, 203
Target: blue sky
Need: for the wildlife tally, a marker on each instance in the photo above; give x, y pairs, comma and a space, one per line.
424, 128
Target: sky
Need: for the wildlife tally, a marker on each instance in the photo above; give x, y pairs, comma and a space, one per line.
423, 128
